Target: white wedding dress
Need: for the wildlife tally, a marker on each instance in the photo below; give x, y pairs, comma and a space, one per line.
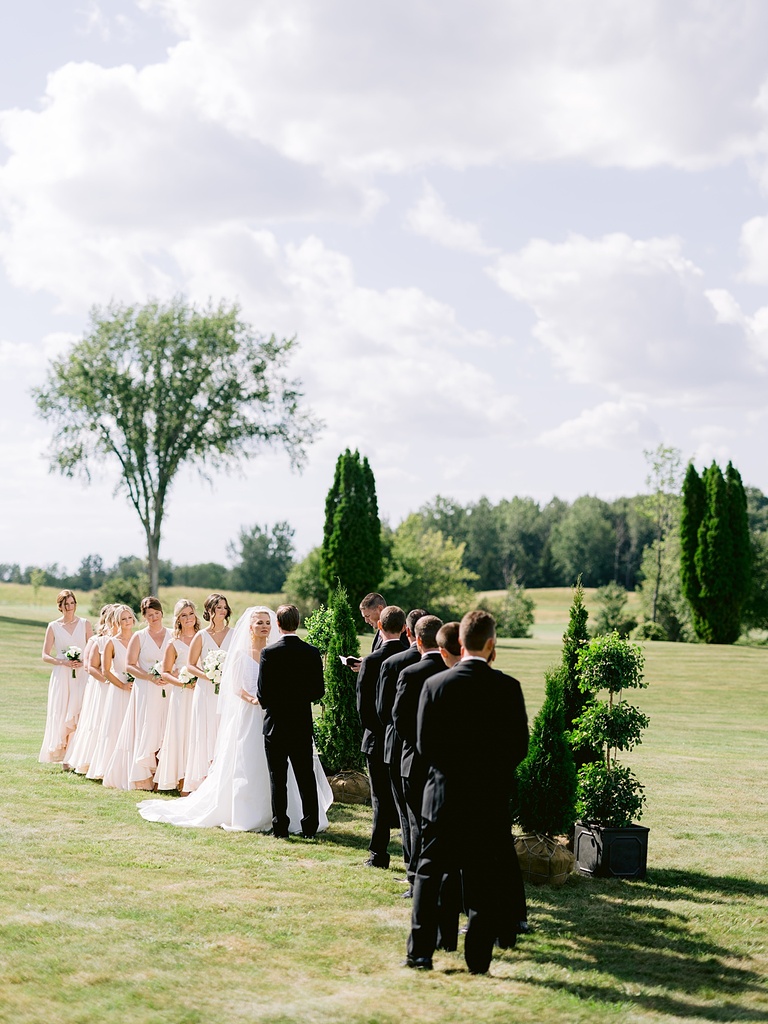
236, 793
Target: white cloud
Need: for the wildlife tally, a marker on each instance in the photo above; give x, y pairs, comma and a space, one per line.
631, 315
754, 250
611, 425
429, 217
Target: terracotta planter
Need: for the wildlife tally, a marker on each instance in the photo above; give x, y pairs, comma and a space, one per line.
611, 852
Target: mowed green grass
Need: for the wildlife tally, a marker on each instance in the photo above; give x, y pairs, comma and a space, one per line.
104, 916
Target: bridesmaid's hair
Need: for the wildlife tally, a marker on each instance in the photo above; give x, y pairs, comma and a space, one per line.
177, 610
210, 606
117, 612
150, 602
111, 625
101, 626
62, 596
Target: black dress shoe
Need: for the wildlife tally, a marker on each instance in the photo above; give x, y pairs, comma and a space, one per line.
523, 928
418, 963
279, 835
373, 863
408, 894
309, 835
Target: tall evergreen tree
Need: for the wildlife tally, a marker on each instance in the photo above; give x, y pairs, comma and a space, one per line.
338, 732
691, 518
351, 550
546, 779
717, 582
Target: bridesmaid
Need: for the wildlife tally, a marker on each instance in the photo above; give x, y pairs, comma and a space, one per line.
68, 678
204, 723
116, 704
172, 758
147, 647
81, 747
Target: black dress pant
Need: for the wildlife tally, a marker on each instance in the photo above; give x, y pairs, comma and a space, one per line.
298, 750
385, 816
492, 890
398, 795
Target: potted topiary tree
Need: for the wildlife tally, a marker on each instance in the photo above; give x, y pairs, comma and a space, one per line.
546, 792
607, 840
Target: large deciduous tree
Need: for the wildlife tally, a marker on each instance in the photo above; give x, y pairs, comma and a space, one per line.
716, 552
262, 558
157, 386
663, 504
351, 549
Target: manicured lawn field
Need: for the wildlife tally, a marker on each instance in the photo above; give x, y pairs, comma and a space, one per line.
104, 916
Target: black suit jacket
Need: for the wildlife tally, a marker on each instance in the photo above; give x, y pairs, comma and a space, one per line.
385, 698
472, 729
367, 682
406, 707
290, 678
378, 640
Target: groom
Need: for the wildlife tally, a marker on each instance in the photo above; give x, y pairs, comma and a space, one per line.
290, 678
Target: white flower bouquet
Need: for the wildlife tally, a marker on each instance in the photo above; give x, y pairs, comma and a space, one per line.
187, 678
214, 666
73, 653
157, 671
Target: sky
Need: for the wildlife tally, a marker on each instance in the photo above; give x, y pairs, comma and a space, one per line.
518, 243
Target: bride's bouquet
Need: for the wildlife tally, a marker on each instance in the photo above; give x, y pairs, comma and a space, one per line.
157, 671
187, 678
214, 665
73, 654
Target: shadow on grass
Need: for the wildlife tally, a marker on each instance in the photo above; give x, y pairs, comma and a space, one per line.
38, 623
647, 953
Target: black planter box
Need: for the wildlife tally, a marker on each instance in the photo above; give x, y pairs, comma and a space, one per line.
611, 852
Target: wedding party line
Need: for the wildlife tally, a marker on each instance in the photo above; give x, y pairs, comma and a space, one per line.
223, 716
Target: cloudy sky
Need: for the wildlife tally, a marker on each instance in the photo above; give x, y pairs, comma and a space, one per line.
518, 243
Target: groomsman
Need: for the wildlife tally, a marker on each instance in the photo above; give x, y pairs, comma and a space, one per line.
448, 643
472, 730
412, 769
371, 608
385, 698
385, 817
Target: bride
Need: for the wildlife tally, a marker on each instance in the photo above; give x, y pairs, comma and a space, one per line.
236, 793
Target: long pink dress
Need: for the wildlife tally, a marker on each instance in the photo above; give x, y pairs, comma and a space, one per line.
86, 736
115, 707
204, 723
172, 757
134, 759
65, 694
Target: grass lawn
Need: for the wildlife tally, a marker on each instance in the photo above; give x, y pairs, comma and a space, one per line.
104, 916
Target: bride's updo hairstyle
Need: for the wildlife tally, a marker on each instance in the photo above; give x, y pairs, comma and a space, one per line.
210, 606
177, 610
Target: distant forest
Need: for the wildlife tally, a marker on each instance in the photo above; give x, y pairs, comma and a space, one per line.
516, 541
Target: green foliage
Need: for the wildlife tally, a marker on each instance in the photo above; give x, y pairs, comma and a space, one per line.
128, 590
425, 570
583, 542
151, 388
212, 575
338, 732
351, 549
546, 779
612, 601
613, 798
673, 613
649, 631
716, 552
262, 558
303, 584
755, 615
663, 506
608, 793
575, 639
513, 612
319, 627
610, 663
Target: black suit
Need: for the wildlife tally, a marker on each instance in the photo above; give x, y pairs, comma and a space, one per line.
385, 816
412, 768
290, 678
385, 699
378, 640
472, 729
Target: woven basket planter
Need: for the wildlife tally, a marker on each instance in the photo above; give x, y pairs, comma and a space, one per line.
350, 787
543, 860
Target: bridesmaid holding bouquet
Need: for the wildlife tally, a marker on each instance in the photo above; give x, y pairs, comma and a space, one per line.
179, 682
118, 696
81, 747
63, 646
209, 646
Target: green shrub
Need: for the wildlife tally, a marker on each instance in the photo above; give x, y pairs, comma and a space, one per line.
130, 590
